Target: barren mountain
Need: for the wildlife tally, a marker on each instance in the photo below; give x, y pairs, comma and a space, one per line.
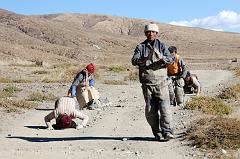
118, 130
103, 39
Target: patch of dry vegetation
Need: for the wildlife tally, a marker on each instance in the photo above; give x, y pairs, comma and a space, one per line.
64, 73
237, 71
115, 82
5, 80
133, 76
8, 80
39, 96
9, 91
215, 132
40, 72
209, 105
116, 68
14, 105
231, 92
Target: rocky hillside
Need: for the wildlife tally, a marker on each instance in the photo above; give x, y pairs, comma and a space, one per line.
103, 39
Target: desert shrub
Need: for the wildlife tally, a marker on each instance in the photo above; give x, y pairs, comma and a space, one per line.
133, 76
21, 81
104, 67
115, 82
39, 96
13, 105
237, 71
38, 62
9, 91
12, 89
4, 94
5, 80
231, 93
62, 65
209, 105
117, 68
40, 72
64, 74
8, 80
61, 73
215, 132
70, 73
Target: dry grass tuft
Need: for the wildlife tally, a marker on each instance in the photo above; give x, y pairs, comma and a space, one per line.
231, 93
133, 76
215, 132
61, 74
40, 72
9, 91
237, 71
117, 68
5, 80
39, 96
209, 105
115, 82
14, 105
8, 80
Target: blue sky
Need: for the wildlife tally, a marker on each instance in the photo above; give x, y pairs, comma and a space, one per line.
221, 15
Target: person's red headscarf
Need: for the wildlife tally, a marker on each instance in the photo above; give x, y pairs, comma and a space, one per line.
91, 68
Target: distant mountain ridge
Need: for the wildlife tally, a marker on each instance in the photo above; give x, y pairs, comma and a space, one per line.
103, 39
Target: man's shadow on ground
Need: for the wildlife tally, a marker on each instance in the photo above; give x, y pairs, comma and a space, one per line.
181, 136
51, 139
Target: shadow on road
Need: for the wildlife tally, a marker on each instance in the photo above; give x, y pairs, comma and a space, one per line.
44, 109
35, 127
46, 139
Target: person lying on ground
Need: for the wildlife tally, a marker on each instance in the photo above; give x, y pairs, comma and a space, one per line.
64, 112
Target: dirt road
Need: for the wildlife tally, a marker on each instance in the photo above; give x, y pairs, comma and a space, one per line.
118, 131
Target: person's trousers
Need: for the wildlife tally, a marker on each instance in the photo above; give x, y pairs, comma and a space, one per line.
157, 110
176, 91
85, 95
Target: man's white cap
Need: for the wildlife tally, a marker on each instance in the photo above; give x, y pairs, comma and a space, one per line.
151, 27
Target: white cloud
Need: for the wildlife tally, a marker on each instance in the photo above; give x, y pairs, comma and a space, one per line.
224, 21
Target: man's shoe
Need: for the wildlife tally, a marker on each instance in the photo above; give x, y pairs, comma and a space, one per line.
159, 137
168, 136
180, 105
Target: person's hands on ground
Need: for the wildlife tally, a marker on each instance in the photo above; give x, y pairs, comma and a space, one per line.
79, 127
50, 128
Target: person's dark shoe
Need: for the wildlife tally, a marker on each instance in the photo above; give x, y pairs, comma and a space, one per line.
159, 137
94, 105
168, 136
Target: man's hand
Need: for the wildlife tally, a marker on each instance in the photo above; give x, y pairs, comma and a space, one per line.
79, 127
143, 60
50, 128
158, 54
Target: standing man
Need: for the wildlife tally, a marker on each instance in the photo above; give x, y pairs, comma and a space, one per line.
176, 72
152, 58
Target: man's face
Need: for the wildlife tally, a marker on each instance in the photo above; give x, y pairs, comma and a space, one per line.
151, 35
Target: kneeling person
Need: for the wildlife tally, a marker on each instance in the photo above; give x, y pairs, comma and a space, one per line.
64, 112
83, 88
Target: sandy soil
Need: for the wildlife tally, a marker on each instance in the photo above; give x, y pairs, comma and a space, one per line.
116, 131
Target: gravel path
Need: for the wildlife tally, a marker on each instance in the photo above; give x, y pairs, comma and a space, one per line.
117, 131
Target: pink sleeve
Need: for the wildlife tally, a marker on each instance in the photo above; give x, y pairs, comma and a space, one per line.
82, 116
